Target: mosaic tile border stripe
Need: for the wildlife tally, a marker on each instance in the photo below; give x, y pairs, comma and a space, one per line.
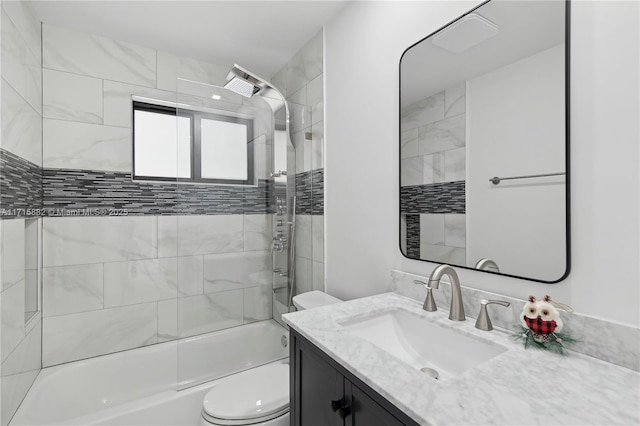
20, 185
413, 236
87, 189
310, 192
448, 197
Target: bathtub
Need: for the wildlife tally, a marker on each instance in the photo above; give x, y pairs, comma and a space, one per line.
162, 384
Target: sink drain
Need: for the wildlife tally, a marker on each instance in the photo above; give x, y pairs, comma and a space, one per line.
431, 372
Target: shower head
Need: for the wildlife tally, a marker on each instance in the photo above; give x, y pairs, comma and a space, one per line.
243, 83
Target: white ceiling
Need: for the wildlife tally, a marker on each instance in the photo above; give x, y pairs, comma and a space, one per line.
259, 35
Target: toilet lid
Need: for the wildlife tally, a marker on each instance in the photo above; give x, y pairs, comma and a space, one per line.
260, 393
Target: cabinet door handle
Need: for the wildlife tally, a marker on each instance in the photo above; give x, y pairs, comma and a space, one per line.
336, 405
344, 412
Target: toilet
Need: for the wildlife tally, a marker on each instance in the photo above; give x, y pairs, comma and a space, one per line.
260, 396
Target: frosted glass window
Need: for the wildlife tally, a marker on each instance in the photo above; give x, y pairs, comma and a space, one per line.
162, 145
223, 152
191, 146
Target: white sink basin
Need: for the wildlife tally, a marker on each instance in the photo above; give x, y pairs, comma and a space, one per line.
422, 343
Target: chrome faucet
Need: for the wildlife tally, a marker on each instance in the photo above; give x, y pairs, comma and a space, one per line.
484, 322
456, 311
429, 302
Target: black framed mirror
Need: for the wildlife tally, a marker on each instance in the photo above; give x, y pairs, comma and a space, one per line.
484, 142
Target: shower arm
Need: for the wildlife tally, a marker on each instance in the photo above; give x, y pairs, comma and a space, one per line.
265, 83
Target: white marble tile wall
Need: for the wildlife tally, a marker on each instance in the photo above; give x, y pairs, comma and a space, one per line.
210, 312
190, 275
171, 67
13, 252
300, 112
442, 253
257, 304
72, 289
98, 270
303, 275
317, 146
423, 112
301, 81
234, 271
21, 134
443, 237
454, 165
442, 135
73, 97
432, 229
210, 234
13, 55
309, 151
615, 343
262, 156
139, 281
309, 253
220, 278
21, 63
303, 152
455, 101
21, 126
257, 232
76, 145
433, 168
116, 99
96, 56
25, 23
315, 99
455, 230
317, 238
167, 320
432, 141
83, 335
432, 150
12, 304
84, 240
89, 82
411, 171
304, 242
304, 67
19, 371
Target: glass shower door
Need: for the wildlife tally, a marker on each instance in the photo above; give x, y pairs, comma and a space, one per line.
224, 235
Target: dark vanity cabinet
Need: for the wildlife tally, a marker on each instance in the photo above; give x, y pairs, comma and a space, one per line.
323, 393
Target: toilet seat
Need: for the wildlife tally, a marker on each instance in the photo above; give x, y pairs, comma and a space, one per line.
253, 396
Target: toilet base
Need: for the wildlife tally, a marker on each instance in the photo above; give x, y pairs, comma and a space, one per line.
283, 420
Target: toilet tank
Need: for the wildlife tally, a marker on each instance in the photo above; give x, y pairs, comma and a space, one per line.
313, 299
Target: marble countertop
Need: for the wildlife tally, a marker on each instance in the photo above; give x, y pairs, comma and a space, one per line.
516, 387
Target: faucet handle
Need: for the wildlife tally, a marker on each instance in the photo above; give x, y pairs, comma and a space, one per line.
429, 303
484, 322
